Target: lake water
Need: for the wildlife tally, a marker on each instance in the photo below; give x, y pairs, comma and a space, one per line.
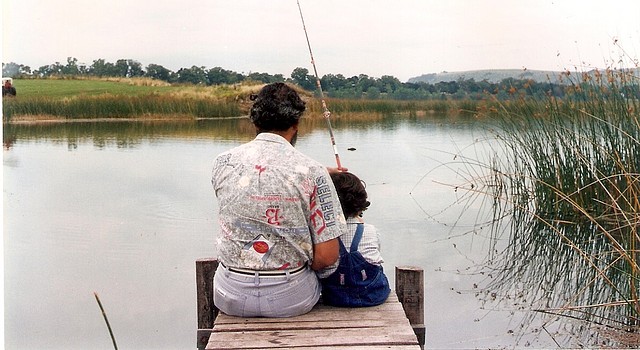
124, 209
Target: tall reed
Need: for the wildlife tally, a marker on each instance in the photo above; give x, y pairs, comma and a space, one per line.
567, 187
387, 107
118, 106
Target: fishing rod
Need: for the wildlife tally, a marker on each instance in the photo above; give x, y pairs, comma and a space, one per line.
326, 113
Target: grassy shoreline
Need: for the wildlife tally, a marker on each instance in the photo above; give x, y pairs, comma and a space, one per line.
48, 100
68, 100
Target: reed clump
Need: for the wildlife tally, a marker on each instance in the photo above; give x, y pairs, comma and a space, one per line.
359, 107
136, 81
119, 107
567, 187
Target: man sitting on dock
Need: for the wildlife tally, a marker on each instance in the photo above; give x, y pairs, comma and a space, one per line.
279, 216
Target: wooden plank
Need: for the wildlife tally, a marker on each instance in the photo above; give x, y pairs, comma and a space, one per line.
315, 316
391, 309
328, 324
312, 338
388, 330
333, 319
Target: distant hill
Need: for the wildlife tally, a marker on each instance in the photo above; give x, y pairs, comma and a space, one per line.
490, 75
497, 75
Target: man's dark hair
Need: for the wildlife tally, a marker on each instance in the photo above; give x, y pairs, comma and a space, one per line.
276, 108
352, 193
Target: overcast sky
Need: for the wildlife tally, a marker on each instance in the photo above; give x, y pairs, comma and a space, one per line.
402, 38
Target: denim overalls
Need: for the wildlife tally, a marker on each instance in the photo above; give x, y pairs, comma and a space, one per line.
356, 282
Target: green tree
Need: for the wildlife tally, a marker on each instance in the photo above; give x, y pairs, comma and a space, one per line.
101, 68
373, 93
301, 77
265, 77
194, 75
156, 71
388, 83
364, 82
217, 76
72, 67
51, 70
406, 93
13, 69
332, 82
278, 78
128, 68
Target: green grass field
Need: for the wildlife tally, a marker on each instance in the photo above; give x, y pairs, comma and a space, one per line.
66, 88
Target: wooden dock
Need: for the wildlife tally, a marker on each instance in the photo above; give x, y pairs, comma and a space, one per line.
396, 324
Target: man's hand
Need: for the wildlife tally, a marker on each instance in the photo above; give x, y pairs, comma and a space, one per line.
333, 170
325, 254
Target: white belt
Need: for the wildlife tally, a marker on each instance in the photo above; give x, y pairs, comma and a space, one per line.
265, 273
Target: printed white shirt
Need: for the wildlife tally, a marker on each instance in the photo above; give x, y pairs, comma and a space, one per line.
274, 203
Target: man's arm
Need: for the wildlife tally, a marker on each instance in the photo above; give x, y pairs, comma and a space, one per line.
325, 254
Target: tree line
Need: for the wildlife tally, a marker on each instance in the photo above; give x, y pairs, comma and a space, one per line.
334, 85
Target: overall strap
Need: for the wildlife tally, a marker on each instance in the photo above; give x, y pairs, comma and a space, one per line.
357, 238
343, 249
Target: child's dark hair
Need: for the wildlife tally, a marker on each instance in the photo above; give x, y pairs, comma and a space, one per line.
352, 193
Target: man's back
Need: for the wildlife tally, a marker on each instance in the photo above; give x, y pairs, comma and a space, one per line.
272, 198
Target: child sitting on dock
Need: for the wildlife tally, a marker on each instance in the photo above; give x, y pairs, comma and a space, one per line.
359, 279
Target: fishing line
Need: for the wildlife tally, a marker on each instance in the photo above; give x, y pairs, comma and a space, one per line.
326, 113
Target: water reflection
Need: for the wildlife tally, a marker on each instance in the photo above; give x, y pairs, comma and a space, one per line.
126, 134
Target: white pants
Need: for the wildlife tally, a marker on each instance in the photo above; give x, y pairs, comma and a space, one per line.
269, 296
